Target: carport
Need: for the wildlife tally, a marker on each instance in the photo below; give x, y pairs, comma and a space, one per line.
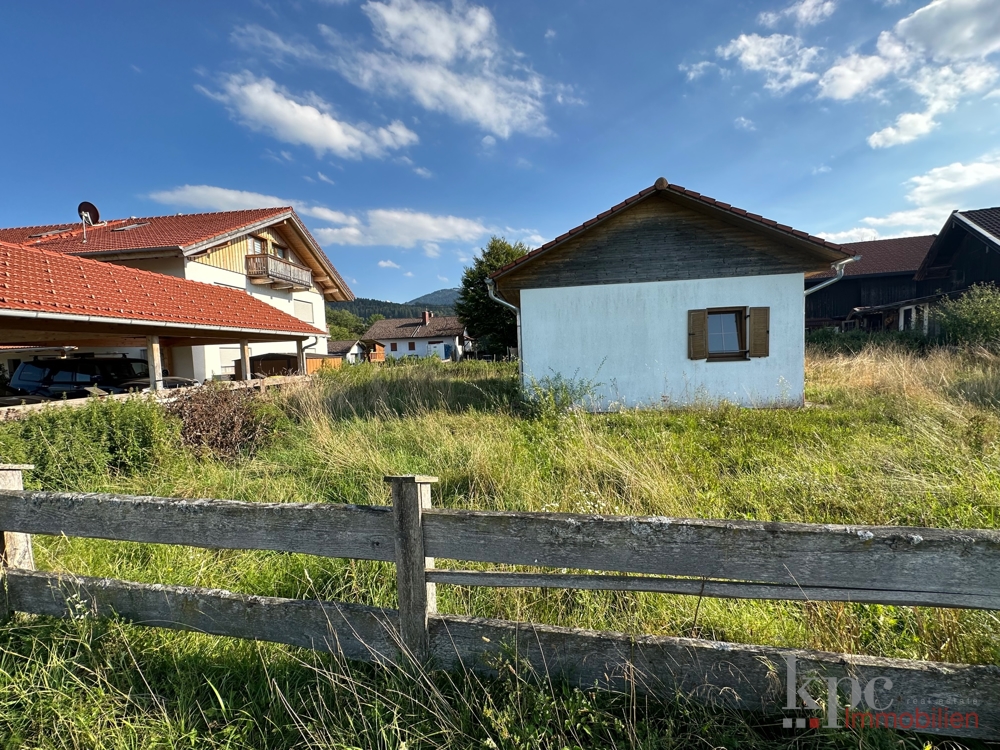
50, 299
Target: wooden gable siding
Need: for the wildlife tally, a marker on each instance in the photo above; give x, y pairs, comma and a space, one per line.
656, 240
229, 257
232, 256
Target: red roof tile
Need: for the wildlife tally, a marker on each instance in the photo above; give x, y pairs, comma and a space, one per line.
37, 280
896, 255
182, 230
662, 185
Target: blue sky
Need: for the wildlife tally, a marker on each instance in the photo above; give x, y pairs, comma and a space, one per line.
407, 131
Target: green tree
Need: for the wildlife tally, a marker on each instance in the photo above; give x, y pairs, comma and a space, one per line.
492, 325
344, 324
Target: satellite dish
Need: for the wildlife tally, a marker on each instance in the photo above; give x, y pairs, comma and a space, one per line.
88, 213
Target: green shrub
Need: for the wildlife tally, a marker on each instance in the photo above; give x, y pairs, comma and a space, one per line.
72, 448
972, 319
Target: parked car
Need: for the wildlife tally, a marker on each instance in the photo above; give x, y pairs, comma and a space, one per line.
79, 377
13, 397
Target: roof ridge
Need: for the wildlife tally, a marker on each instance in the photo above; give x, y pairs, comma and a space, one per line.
662, 186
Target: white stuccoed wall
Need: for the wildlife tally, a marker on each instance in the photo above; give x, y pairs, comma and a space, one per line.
631, 339
421, 350
209, 360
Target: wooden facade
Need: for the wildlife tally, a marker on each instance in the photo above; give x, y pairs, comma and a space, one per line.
232, 255
958, 258
658, 239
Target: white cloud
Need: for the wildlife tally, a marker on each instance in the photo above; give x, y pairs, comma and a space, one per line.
821, 169
934, 195
938, 52
447, 58
403, 228
550, 33
742, 123
408, 273
212, 198
325, 179
443, 278
783, 59
942, 89
696, 70
489, 141
804, 13
423, 172
954, 29
389, 227
387, 264
261, 105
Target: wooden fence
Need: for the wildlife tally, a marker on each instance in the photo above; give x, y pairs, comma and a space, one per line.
732, 559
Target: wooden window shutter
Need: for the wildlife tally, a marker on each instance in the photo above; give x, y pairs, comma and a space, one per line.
760, 331
697, 334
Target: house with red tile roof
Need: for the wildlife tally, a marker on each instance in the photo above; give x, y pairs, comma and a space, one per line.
430, 335
669, 298
51, 300
896, 281
266, 254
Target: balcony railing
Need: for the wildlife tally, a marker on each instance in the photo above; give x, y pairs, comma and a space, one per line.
279, 273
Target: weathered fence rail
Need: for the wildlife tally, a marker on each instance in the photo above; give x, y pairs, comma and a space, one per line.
733, 559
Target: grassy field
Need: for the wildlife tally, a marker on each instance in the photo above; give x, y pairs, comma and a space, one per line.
889, 437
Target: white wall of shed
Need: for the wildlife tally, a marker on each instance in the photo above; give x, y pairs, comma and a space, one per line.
420, 347
630, 341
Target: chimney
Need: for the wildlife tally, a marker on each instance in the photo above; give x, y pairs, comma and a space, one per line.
426, 318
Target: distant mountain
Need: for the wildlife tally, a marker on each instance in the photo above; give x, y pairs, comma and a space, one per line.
364, 308
442, 297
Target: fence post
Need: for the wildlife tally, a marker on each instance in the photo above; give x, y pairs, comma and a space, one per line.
15, 549
411, 494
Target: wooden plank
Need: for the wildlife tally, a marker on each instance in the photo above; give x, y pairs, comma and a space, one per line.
745, 677
411, 495
715, 589
953, 561
15, 549
356, 631
328, 529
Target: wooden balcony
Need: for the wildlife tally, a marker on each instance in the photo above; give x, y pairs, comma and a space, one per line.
278, 273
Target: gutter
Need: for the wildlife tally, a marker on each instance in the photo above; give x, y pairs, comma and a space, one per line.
491, 291
9, 313
839, 268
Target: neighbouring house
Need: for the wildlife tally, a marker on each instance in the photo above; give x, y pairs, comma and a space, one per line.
53, 303
896, 281
265, 253
349, 351
669, 298
427, 336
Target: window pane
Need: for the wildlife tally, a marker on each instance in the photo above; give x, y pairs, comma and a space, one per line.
723, 336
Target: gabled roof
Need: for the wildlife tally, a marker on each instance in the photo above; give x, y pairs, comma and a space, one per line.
48, 284
181, 231
340, 347
700, 202
896, 255
188, 234
983, 223
987, 219
414, 328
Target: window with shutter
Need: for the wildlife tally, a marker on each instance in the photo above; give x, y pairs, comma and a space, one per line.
760, 331
697, 334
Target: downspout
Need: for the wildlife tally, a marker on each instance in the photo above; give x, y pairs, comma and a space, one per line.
839, 268
491, 291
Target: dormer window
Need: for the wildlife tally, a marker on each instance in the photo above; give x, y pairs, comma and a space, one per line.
257, 246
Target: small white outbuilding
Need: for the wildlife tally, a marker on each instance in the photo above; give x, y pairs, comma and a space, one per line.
670, 298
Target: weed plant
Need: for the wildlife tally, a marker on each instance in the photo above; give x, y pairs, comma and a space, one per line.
890, 436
